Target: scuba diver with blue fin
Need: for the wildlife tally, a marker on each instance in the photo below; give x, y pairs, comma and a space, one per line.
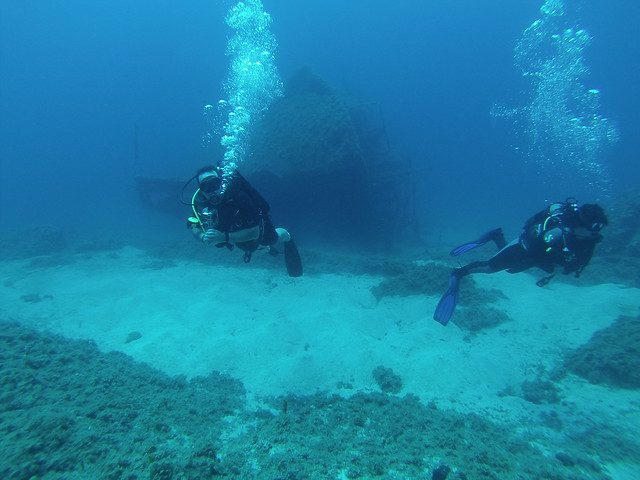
564, 234
237, 215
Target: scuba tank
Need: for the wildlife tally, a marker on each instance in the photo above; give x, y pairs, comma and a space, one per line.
553, 239
557, 225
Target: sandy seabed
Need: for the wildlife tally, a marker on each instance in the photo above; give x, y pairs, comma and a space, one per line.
327, 332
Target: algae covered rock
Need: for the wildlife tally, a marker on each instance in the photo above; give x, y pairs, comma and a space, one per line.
408, 279
308, 131
73, 411
68, 410
387, 379
623, 232
612, 355
540, 391
42, 241
305, 158
476, 318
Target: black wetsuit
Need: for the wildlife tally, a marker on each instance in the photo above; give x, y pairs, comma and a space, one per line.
241, 207
552, 237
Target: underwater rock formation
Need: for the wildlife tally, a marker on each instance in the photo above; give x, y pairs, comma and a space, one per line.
623, 234
308, 132
540, 391
441, 472
612, 355
68, 410
387, 379
324, 166
480, 317
42, 241
405, 279
306, 157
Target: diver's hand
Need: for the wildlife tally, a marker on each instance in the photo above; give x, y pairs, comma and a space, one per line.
212, 236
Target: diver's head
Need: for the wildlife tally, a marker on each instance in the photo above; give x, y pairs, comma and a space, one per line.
592, 217
209, 180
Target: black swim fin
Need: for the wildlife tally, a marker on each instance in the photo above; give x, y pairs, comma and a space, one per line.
447, 304
292, 259
495, 235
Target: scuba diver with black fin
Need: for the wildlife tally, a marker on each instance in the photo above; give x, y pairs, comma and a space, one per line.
564, 234
236, 215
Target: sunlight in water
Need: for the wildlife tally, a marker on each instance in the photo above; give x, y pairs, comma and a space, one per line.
561, 124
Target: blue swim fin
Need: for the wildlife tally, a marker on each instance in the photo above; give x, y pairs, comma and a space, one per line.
447, 304
495, 235
292, 259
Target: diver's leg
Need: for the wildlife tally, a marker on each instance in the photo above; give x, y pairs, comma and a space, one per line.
282, 236
494, 235
269, 235
473, 267
508, 256
512, 257
447, 304
498, 238
284, 243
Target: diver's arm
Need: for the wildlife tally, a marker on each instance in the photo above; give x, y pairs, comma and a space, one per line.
581, 256
194, 226
206, 236
197, 232
216, 236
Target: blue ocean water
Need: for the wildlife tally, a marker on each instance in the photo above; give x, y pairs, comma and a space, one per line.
484, 112
78, 79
